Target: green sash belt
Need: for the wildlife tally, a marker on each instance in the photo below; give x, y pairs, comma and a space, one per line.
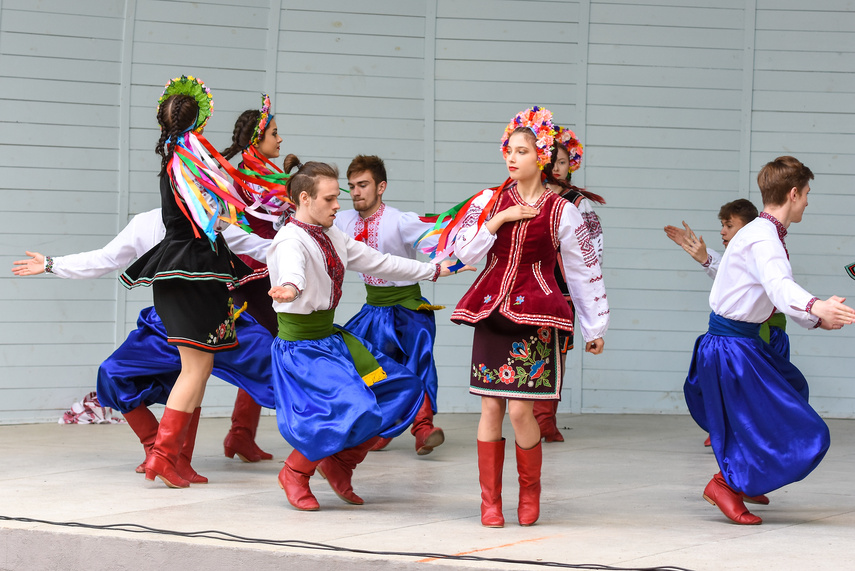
778, 320
406, 296
319, 324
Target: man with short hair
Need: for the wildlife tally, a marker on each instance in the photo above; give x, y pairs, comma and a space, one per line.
753, 401
396, 319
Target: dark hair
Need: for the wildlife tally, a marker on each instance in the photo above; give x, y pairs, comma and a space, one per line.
566, 184
242, 135
176, 115
778, 177
740, 208
306, 177
370, 163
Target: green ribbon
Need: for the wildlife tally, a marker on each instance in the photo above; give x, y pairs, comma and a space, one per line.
778, 320
319, 324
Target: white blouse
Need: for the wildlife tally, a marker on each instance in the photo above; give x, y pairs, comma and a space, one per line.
755, 277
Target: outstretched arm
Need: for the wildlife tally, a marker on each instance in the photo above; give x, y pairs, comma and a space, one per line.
32, 266
686, 239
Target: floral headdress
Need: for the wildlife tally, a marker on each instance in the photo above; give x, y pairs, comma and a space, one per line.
539, 121
192, 86
263, 120
567, 139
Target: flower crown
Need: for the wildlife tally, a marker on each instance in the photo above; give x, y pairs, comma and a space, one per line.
539, 121
263, 120
567, 139
189, 85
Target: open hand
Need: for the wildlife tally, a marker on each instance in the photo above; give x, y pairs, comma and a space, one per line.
32, 266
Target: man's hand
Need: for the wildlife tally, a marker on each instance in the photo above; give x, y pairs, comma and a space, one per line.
833, 313
283, 294
33, 266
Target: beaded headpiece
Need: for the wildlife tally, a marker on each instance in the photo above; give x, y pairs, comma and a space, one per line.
539, 121
192, 86
567, 139
263, 120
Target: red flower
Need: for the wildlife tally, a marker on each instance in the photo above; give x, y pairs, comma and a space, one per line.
507, 374
545, 334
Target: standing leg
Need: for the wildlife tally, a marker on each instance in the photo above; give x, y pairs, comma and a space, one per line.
491, 459
144, 424
183, 465
338, 470
294, 479
240, 439
529, 460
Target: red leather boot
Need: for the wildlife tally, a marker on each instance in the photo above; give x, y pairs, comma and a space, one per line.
544, 413
491, 458
427, 435
338, 470
380, 444
729, 501
528, 467
241, 437
167, 446
144, 424
294, 479
182, 466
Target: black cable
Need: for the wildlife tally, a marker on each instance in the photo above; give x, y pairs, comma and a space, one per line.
300, 544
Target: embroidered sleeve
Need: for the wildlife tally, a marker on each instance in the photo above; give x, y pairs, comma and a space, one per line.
436, 273
49, 264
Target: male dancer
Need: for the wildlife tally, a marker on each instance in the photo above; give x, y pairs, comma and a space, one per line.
751, 400
143, 369
396, 319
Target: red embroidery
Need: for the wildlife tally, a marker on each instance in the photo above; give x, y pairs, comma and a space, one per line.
334, 267
367, 230
589, 256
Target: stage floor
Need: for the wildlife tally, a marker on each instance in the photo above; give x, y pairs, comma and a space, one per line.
621, 491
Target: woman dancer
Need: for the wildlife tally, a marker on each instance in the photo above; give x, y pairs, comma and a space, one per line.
516, 307
190, 269
256, 137
566, 159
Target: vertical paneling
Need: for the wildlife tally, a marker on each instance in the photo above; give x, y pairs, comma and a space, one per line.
678, 103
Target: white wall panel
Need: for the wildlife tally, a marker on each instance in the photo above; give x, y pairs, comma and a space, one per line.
678, 106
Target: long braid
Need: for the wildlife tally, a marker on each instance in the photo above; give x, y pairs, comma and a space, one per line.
173, 127
244, 128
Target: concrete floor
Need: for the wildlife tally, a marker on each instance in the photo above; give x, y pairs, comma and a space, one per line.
622, 491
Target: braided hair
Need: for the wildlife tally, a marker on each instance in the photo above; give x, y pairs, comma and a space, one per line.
566, 184
242, 135
175, 116
305, 179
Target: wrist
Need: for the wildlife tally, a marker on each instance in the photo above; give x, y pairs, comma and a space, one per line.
48, 264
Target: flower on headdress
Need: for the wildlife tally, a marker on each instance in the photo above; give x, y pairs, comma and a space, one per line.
539, 120
192, 86
567, 139
519, 349
263, 119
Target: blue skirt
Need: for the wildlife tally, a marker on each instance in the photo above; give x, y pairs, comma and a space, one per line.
322, 404
754, 404
144, 368
780, 342
405, 335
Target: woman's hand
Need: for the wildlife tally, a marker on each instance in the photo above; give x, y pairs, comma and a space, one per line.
33, 266
595, 347
446, 264
512, 214
283, 294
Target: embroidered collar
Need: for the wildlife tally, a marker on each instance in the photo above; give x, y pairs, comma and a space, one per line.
313, 229
782, 232
376, 215
537, 203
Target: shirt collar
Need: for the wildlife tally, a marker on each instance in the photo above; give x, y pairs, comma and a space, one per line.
782, 232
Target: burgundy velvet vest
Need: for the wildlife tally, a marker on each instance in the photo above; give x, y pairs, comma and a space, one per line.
519, 279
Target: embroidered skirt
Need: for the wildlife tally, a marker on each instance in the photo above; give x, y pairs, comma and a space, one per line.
144, 368
754, 404
405, 335
196, 314
512, 360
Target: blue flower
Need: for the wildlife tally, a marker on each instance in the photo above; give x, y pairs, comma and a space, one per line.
537, 369
519, 349
519, 300
488, 298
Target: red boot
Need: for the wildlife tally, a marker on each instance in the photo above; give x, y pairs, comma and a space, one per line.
182, 466
544, 413
729, 501
144, 424
491, 458
241, 438
294, 479
759, 500
338, 470
167, 446
528, 468
380, 444
427, 435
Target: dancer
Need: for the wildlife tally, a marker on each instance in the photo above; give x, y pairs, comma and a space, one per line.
143, 370
190, 269
566, 159
395, 319
752, 401
334, 392
516, 307
256, 137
